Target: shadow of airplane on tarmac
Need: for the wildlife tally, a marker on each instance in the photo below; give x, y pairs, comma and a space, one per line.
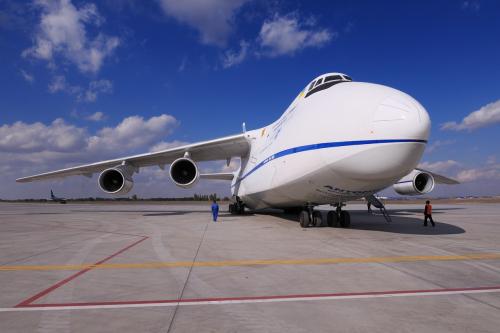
401, 222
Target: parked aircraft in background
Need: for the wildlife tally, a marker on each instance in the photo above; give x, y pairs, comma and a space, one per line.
56, 199
338, 140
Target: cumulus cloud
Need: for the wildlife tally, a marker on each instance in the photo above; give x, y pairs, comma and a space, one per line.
57, 137
485, 116
132, 132
164, 145
490, 172
439, 166
27, 77
60, 137
438, 144
233, 58
63, 32
213, 19
286, 35
89, 94
95, 88
97, 116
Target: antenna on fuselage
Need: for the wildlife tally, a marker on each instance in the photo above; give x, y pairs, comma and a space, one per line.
244, 127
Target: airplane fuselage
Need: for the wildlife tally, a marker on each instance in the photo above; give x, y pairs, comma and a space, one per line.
347, 141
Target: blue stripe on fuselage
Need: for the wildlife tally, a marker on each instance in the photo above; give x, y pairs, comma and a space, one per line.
323, 145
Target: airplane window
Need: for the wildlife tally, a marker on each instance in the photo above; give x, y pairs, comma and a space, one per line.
333, 78
347, 77
318, 82
312, 85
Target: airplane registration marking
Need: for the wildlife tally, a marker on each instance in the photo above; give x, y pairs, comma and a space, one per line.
257, 262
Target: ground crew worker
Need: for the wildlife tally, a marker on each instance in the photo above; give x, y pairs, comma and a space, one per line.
215, 210
369, 205
428, 213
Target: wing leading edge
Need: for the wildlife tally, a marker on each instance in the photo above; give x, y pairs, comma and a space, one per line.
441, 179
212, 150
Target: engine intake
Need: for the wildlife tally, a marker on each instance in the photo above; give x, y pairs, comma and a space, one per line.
184, 172
415, 183
117, 180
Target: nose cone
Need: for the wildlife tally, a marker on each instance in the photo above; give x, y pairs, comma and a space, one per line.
399, 115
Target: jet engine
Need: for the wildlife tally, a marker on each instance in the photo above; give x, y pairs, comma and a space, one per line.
184, 172
415, 183
116, 180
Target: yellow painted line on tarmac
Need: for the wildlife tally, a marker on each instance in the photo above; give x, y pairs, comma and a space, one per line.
261, 262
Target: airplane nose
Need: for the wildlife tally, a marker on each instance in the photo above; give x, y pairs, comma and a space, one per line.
399, 114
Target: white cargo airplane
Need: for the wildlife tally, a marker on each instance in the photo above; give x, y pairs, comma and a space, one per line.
337, 141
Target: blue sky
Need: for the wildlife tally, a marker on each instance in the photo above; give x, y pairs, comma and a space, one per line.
80, 80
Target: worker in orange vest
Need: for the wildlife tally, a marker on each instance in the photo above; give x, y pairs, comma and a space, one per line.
428, 213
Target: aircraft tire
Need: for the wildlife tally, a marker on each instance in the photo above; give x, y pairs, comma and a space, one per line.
317, 219
345, 219
332, 219
304, 219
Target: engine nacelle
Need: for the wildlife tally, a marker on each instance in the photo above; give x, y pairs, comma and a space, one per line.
415, 183
184, 172
117, 180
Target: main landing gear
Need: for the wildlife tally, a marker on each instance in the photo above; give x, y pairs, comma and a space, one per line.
237, 208
334, 218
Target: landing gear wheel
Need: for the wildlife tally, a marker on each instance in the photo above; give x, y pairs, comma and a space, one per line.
317, 219
240, 208
231, 208
345, 219
304, 219
332, 219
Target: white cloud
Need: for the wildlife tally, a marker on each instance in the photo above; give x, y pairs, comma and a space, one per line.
89, 95
212, 18
163, 145
285, 35
63, 31
97, 116
438, 144
491, 172
439, 166
95, 88
132, 132
232, 58
26, 76
485, 116
56, 137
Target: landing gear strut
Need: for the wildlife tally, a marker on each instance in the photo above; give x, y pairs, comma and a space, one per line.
237, 208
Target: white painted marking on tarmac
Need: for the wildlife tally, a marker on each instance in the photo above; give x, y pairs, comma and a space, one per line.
246, 301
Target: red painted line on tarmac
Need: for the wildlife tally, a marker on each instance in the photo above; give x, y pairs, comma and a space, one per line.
43, 293
256, 298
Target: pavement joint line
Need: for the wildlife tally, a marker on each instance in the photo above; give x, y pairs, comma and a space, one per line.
252, 299
61, 283
255, 262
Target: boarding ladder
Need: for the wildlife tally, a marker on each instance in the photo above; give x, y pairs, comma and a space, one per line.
378, 204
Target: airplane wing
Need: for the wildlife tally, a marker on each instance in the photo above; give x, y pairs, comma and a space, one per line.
212, 150
441, 179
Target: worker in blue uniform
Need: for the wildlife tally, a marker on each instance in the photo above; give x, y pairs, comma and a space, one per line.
215, 210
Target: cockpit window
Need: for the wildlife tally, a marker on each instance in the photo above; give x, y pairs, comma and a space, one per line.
312, 85
333, 78
347, 77
318, 82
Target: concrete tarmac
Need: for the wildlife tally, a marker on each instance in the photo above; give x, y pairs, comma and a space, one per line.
169, 268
